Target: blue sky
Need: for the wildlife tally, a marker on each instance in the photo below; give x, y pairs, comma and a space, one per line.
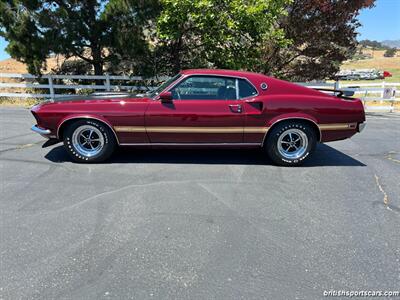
382, 22
3, 44
379, 23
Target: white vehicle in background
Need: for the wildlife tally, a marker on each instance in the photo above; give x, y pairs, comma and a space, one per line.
361, 74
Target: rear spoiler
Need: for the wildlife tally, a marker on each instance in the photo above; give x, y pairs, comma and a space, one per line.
340, 93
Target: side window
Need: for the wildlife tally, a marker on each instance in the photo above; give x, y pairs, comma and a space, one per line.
246, 89
205, 88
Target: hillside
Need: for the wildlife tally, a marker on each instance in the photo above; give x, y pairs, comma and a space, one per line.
391, 43
378, 61
10, 65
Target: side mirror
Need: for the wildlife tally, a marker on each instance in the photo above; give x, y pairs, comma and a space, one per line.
166, 97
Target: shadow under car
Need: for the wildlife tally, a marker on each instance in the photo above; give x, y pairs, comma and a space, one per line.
324, 155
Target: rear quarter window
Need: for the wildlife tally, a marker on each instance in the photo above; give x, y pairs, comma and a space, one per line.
246, 89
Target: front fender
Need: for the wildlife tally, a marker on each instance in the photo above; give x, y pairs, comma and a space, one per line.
82, 116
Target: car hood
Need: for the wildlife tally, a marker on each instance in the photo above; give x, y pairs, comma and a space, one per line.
98, 97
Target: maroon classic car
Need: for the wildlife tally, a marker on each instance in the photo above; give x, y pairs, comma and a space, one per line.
203, 108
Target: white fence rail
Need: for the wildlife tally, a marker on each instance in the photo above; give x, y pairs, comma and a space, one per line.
382, 91
31, 82
368, 92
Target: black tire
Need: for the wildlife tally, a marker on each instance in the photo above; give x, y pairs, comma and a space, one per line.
78, 147
290, 153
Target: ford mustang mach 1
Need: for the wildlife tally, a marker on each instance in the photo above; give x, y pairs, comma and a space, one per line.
203, 108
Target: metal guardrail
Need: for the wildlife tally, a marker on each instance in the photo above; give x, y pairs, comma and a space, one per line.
64, 82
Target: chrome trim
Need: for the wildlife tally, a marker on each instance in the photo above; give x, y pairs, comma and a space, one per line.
299, 144
40, 131
184, 76
190, 129
87, 117
293, 118
264, 86
86, 145
172, 85
191, 144
237, 88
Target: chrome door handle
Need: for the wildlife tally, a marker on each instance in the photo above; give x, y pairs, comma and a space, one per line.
236, 108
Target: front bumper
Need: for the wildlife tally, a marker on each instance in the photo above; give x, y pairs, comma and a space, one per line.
41, 131
361, 126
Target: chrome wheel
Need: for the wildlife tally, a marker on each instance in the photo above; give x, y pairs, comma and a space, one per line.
292, 143
87, 140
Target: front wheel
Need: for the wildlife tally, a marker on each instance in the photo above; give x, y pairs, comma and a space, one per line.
89, 141
290, 143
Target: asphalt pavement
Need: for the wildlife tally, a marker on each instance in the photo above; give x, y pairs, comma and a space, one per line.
190, 224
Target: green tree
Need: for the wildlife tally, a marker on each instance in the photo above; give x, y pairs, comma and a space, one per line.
323, 35
291, 39
131, 24
390, 52
372, 44
88, 29
214, 33
297, 40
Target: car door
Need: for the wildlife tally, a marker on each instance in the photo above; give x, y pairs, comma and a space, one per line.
204, 109
254, 111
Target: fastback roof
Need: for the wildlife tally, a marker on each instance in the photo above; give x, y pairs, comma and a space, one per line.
275, 86
221, 72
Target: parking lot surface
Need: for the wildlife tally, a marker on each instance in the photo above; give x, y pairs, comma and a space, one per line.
190, 224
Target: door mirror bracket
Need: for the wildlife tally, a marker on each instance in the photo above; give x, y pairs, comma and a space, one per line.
165, 97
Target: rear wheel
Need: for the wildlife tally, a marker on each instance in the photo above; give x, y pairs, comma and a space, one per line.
290, 143
89, 141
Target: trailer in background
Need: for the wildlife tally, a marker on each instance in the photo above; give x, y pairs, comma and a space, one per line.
362, 74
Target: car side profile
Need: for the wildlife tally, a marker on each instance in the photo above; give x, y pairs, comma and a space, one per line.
203, 108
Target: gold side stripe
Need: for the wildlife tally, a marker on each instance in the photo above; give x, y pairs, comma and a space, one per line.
195, 129
170, 129
191, 129
129, 129
255, 129
338, 126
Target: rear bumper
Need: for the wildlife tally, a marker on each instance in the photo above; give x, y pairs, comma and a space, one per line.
41, 131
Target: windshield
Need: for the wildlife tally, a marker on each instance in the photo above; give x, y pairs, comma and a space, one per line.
165, 84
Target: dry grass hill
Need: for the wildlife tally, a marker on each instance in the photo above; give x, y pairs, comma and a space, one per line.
10, 65
377, 61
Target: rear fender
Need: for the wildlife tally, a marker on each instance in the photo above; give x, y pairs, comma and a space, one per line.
288, 116
291, 116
